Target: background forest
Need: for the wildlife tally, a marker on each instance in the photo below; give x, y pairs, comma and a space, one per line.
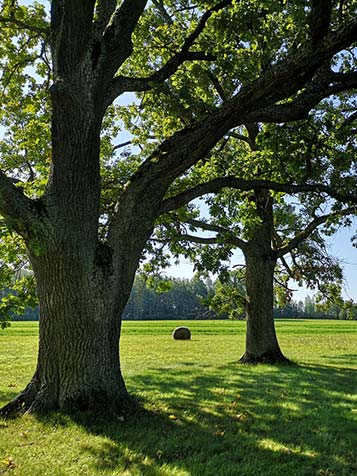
198, 298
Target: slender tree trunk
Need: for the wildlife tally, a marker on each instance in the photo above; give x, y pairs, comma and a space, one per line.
261, 341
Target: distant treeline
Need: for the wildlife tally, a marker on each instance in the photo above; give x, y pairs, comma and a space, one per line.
175, 299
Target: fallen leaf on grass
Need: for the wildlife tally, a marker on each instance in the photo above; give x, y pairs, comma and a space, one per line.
9, 463
12, 384
242, 416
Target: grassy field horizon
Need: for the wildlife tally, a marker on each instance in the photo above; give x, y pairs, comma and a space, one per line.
203, 413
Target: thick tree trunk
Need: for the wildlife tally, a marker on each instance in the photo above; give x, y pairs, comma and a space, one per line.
261, 342
82, 285
78, 360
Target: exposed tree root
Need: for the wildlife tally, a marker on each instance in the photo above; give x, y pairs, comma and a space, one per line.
269, 357
22, 402
40, 399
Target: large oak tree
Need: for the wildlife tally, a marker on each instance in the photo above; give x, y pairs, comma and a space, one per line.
83, 276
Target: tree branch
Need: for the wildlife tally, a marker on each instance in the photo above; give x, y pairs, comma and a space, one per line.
217, 85
197, 239
294, 242
214, 186
225, 234
121, 145
319, 21
283, 285
24, 26
122, 84
206, 226
287, 267
103, 14
318, 89
235, 135
116, 45
186, 147
71, 29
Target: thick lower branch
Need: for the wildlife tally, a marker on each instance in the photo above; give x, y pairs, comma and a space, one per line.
216, 185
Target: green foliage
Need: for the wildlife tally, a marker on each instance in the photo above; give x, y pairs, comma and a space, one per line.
242, 41
229, 295
25, 111
16, 300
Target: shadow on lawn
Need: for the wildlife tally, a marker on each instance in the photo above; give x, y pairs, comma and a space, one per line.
7, 395
232, 421
344, 359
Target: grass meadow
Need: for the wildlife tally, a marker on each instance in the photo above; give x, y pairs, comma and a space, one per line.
203, 413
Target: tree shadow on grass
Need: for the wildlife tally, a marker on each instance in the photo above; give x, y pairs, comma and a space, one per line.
7, 395
232, 421
344, 359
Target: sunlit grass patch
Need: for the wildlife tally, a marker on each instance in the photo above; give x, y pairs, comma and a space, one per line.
203, 413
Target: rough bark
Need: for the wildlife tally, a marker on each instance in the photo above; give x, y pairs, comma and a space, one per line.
261, 342
82, 284
78, 360
81, 295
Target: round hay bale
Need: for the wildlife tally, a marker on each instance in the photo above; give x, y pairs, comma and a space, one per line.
181, 333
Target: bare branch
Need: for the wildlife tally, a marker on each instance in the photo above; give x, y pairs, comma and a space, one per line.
253, 131
207, 226
197, 239
287, 267
121, 145
324, 86
235, 135
116, 45
217, 86
283, 285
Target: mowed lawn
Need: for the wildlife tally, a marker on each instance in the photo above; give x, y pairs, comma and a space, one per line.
203, 413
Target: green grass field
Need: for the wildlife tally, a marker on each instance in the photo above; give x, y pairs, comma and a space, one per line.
205, 415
